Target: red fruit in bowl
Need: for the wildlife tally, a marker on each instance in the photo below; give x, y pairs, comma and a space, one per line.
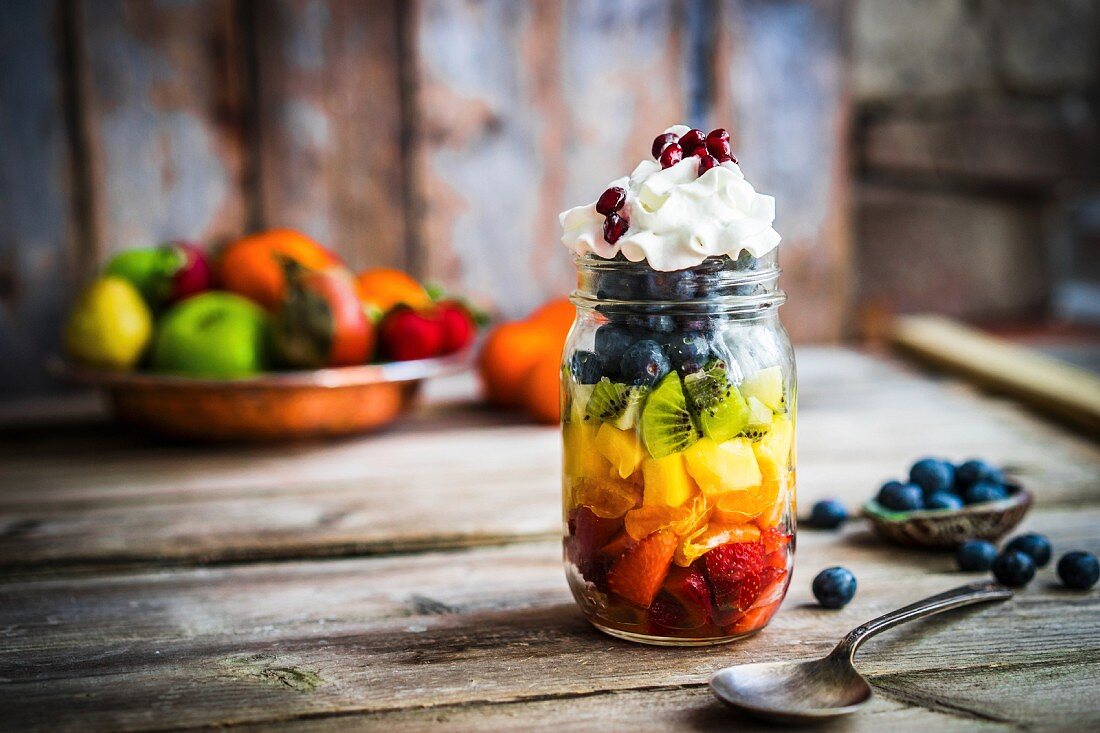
195, 274
459, 328
406, 334
321, 321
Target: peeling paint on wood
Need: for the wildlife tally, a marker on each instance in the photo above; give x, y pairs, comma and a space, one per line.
330, 125
163, 109
36, 228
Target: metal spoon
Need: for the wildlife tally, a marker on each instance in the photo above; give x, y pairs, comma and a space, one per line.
805, 692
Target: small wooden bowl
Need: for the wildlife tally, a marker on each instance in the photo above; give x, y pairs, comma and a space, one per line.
268, 407
947, 528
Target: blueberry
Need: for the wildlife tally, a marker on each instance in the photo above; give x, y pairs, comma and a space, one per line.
932, 475
1013, 568
615, 286
984, 491
900, 497
694, 322
587, 367
974, 471
1079, 570
1035, 546
674, 285
612, 340
976, 555
834, 587
659, 324
828, 514
944, 500
687, 351
745, 261
644, 363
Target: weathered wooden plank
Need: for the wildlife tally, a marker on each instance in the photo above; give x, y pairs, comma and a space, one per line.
510, 135
330, 119
780, 90
120, 502
36, 227
162, 100
275, 642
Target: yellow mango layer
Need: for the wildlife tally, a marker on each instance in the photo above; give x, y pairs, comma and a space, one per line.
667, 482
581, 457
621, 448
721, 468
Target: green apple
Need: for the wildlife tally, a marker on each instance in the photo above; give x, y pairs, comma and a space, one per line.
215, 335
150, 269
110, 325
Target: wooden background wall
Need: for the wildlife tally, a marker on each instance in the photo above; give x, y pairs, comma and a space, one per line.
442, 136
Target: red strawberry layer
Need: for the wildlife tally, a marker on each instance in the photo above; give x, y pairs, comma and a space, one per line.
683, 602
587, 534
734, 574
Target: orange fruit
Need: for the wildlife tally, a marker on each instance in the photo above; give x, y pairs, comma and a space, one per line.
384, 288
541, 391
557, 315
510, 352
250, 266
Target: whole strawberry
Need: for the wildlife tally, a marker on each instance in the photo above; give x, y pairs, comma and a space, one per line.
459, 328
406, 334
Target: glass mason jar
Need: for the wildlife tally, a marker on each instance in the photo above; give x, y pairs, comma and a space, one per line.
678, 480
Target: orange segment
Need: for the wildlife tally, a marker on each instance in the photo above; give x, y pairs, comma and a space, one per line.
606, 498
714, 534
384, 288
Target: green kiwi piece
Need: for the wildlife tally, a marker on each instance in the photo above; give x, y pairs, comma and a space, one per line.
618, 404
760, 420
720, 409
667, 424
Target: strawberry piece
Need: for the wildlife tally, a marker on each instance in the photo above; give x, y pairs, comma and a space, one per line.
774, 539
458, 327
638, 574
587, 534
755, 619
684, 600
406, 334
734, 572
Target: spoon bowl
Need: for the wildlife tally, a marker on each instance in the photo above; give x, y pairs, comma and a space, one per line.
830, 687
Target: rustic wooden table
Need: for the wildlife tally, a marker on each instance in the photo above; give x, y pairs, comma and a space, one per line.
413, 578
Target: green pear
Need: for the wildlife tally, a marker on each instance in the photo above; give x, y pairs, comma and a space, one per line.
109, 326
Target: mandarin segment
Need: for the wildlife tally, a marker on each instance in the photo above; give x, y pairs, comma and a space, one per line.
606, 497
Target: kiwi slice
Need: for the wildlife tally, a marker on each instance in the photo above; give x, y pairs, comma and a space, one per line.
760, 420
667, 424
719, 407
618, 404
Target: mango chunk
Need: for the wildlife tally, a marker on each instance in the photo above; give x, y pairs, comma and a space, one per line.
667, 482
621, 448
719, 468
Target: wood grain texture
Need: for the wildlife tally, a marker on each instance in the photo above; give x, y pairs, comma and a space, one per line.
781, 90
93, 496
529, 108
162, 95
413, 635
330, 123
36, 214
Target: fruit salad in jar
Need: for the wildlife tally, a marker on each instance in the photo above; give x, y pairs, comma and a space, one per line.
679, 392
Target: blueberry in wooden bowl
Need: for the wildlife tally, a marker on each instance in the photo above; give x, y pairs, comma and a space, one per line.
979, 504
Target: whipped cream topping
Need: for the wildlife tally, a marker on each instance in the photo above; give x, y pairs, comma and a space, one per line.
678, 218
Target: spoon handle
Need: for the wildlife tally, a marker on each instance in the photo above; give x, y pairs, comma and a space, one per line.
962, 596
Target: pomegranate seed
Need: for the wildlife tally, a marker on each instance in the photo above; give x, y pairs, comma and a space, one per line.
611, 201
671, 155
614, 227
718, 134
691, 140
720, 149
706, 162
661, 142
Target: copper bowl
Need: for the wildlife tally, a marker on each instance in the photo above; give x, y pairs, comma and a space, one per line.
948, 528
268, 407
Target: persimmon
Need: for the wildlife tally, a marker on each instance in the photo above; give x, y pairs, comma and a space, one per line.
252, 266
557, 314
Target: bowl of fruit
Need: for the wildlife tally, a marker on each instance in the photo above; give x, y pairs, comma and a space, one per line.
272, 337
943, 505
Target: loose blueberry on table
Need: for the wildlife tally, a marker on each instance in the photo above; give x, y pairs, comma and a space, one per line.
1078, 570
1035, 546
828, 514
1013, 568
975, 555
834, 587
